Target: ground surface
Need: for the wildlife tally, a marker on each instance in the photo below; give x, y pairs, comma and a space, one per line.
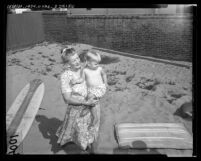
140, 91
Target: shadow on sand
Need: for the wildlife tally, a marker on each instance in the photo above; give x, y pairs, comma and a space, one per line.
138, 148
185, 111
48, 128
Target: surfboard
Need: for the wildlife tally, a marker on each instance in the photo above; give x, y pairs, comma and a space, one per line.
22, 112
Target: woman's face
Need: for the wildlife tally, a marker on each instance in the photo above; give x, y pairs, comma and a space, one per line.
74, 61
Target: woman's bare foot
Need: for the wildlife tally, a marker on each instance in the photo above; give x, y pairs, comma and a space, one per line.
90, 126
95, 120
90, 149
93, 123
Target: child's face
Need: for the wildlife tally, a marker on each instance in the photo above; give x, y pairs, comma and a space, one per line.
92, 64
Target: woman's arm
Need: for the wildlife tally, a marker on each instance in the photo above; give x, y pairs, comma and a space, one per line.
72, 101
66, 90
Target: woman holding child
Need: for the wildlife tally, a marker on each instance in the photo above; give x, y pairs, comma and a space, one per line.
82, 89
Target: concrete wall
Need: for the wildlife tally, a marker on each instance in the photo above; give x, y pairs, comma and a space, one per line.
168, 37
24, 30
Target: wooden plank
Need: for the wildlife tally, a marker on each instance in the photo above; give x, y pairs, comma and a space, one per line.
16, 105
23, 116
18, 116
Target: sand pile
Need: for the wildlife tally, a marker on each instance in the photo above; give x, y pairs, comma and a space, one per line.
139, 91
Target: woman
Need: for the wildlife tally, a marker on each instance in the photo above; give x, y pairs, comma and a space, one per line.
75, 127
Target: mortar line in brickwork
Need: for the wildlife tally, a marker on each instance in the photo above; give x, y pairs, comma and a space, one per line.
142, 57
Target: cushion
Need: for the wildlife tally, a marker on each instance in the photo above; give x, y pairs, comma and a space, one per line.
153, 135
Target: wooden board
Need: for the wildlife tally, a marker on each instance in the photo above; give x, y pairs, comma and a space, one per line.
22, 112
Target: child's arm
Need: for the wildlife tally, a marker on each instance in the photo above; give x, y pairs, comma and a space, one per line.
104, 76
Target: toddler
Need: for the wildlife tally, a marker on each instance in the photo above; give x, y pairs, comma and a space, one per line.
96, 80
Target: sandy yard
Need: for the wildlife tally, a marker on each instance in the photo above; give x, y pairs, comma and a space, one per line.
140, 91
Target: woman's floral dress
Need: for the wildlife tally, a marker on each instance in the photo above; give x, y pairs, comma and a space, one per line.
76, 128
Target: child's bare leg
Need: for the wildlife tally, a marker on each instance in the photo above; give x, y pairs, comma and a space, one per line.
94, 120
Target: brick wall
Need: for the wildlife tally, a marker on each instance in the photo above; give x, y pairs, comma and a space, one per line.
163, 36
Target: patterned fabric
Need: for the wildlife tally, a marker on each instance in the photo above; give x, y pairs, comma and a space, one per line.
66, 87
98, 91
77, 128
65, 82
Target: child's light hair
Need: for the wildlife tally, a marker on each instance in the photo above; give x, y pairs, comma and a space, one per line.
92, 55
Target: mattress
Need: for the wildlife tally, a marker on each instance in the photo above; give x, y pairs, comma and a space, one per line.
153, 135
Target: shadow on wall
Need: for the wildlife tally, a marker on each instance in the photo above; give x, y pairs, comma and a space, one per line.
48, 128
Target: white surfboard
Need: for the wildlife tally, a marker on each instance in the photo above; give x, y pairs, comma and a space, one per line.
22, 112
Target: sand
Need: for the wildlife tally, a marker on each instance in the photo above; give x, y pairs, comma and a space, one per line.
140, 91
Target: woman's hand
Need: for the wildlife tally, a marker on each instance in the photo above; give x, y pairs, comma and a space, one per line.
78, 81
90, 103
84, 112
73, 82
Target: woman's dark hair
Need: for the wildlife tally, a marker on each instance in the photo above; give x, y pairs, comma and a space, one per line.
82, 55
